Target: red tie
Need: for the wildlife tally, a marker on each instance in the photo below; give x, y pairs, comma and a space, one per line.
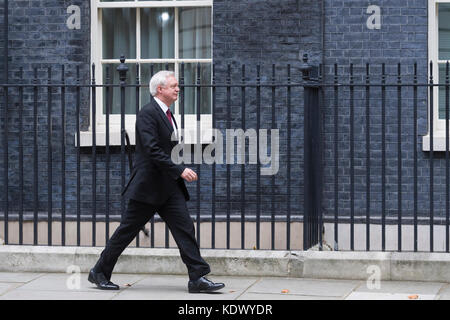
169, 116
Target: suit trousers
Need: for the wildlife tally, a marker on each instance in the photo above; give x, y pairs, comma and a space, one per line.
175, 214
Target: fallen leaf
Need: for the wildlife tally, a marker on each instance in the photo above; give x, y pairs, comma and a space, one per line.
231, 291
127, 285
285, 291
413, 296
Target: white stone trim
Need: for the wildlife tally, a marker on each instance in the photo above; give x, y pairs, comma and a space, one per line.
438, 124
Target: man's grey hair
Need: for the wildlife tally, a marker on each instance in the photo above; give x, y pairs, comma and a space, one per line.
159, 79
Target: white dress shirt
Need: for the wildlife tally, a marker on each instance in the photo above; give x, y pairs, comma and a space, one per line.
164, 108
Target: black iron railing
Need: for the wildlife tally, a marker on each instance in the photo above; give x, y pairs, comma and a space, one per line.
383, 151
351, 155
83, 184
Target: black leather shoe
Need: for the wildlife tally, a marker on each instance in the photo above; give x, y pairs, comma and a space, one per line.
100, 281
204, 285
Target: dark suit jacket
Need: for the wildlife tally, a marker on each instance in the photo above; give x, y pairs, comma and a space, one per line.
155, 176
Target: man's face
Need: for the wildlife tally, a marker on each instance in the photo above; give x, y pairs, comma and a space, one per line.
169, 93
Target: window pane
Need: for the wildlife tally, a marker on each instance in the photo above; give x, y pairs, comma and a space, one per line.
119, 33
157, 33
147, 71
114, 92
442, 75
190, 93
444, 31
195, 33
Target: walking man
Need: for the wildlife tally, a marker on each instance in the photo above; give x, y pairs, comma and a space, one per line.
157, 185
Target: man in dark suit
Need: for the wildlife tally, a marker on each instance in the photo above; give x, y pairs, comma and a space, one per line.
157, 185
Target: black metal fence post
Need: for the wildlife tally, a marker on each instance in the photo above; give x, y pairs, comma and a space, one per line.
63, 157
122, 69
5, 117
21, 169
78, 106
94, 157
312, 156
108, 91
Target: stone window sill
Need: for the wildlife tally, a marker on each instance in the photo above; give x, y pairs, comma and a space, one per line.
438, 141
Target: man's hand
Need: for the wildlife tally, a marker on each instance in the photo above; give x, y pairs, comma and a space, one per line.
189, 175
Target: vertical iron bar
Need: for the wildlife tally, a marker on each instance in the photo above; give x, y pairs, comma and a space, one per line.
199, 133
35, 160
136, 111
258, 165
320, 216
383, 157
5, 119
368, 157
21, 158
336, 155
108, 156
228, 79
78, 88
352, 162
49, 158
272, 224
166, 227
182, 103
447, 170
288, 156
431, 158
399, 157
94, 157
63, 157
152, 220
415, 155
213, 187
243, 165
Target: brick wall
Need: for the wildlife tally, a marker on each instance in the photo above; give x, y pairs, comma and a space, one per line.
401, 39
245, 32
39, 39
249, 32
2, 38
264, 33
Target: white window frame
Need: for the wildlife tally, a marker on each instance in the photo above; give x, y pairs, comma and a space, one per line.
96, 57
439, 143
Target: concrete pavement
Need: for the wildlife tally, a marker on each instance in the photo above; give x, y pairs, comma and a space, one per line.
74, 286
341, 265
60, 273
